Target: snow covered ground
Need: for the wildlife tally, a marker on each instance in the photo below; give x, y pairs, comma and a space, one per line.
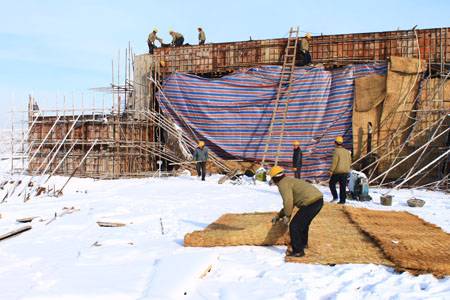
73, 258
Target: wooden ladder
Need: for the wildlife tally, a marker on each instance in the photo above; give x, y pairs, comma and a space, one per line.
283, 92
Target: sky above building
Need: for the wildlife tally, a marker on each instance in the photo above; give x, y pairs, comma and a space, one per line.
51, 48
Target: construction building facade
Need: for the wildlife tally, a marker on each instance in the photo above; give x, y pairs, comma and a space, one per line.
399, 117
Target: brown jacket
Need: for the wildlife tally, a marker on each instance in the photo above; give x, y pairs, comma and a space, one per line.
296, 192
304, 45
342, 161
175, 36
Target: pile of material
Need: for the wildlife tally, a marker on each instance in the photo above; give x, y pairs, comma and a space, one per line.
340, 235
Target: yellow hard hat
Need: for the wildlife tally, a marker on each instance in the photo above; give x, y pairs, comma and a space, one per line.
308, 35
162, 63
201, 143
339, 140
296, 143
276, 171
170, 30
155, 29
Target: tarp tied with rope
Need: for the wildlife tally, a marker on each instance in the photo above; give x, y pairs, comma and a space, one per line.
232, 114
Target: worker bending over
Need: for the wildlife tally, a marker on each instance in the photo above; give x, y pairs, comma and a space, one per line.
340, 167
177, 38
201, 157
152, 37
201, 36
297, 160
305, 196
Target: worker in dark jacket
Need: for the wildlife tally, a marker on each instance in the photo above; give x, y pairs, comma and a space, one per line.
201, 157
339, 170
297, 160
152, 38
305, 196
201, 36
177, 38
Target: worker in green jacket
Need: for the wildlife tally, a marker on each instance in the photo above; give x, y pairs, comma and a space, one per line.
305, 196
200, 156
177, 38
339, 170
201, 36
152, 38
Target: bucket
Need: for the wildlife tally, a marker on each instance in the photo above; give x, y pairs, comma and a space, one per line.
386, 200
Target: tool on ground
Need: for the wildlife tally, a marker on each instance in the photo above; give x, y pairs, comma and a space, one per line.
358, 186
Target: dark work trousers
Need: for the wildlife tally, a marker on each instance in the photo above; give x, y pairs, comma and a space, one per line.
201, 169
179, 42
151, 47
307, 58
299, 226
342, 179
298, 173
201, 42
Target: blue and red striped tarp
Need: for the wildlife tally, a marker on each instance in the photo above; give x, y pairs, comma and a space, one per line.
232, 114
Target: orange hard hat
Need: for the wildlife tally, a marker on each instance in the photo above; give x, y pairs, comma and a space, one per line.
276, 171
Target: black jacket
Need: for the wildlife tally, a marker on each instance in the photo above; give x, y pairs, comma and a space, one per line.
297, 158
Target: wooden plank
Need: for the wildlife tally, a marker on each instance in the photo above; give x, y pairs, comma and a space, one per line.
110, 224
15, 232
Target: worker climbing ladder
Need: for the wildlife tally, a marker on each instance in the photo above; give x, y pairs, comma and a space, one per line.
283, 95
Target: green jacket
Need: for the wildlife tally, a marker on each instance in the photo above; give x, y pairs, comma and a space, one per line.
296, 192
202, 36
200, 154
152, 37
342, 161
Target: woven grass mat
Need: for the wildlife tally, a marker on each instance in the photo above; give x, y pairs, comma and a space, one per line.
334, 239
239, 229
410, 242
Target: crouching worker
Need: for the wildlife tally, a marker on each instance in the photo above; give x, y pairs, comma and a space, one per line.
305, 196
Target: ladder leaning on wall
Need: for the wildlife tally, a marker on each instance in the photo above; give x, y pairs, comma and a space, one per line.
283, 94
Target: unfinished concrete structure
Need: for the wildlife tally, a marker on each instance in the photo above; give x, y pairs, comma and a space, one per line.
128, 139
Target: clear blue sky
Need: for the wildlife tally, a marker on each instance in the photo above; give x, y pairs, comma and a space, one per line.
56, 47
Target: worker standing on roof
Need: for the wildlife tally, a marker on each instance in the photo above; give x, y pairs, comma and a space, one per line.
297, 160
201, 36
152, 37
305, 196
177, 38
339, 170
304, 48
201, 157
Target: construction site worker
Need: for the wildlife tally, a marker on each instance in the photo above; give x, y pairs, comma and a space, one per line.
152, 37
201, 157
339, 170
305, 196
304, 48
297, 160
201, 36
177, 38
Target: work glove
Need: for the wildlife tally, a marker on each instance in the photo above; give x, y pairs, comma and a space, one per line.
275, 219
285, 220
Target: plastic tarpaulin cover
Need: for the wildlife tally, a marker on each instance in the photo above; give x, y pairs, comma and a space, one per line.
232, 114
